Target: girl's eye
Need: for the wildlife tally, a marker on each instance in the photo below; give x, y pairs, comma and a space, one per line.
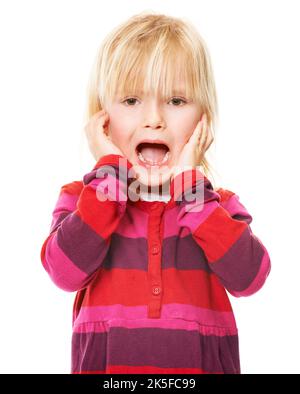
130, 100
176, 99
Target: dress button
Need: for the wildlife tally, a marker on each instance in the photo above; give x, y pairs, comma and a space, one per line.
155, 249
156, 290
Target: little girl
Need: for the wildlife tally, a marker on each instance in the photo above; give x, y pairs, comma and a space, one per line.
151, 270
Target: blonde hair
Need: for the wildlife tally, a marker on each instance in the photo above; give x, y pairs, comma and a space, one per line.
156, 49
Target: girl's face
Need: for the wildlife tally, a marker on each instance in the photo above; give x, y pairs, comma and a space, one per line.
136, 118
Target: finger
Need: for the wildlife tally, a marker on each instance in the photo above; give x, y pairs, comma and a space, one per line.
208, 140
203, 124
194, 139
208, 145
101, 116
97, 115
209, 137
203, 138
200, 137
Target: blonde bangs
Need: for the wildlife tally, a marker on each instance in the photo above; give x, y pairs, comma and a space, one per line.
151, 67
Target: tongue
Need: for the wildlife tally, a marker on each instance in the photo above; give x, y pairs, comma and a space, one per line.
154, 153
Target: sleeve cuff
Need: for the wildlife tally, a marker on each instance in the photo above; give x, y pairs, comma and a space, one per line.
120, 166
186, 181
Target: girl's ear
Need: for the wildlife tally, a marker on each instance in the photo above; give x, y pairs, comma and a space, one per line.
106, 126
108, 131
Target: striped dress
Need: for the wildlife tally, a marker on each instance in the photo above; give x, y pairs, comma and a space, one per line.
151, 277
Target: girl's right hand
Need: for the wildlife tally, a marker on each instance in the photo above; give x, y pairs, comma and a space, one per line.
99, 142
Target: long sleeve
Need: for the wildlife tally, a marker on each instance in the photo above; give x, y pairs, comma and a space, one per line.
84, 218
220, 225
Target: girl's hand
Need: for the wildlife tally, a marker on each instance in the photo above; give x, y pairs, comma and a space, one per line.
194, 150
99, 142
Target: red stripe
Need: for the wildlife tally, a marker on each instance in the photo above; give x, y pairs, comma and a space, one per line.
43, 250
193, 287
101, 216
218, 233
124, 369
73, 188
224, 194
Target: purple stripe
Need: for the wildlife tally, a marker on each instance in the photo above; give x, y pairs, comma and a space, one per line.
83, 246
179, 253
240, 265
127, 253
61, 270
260, 278
164, 348
57, 221
88, 352
183, 254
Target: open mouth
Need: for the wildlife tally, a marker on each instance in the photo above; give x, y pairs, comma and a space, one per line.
153, 154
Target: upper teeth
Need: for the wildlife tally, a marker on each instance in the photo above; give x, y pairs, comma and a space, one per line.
141, 157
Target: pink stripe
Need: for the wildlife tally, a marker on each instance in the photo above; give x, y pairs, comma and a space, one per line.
66, 202
193, 220
172, 227
260, 278
134, 223
235, 207
62, 271
189, 313
174, 324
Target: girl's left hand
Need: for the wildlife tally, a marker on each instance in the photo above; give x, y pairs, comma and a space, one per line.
194, 150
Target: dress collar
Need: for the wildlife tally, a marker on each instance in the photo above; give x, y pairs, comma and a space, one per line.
152, 206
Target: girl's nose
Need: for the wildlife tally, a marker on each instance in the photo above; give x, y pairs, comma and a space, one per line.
153, 117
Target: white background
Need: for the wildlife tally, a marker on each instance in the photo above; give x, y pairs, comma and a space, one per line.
47, 49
